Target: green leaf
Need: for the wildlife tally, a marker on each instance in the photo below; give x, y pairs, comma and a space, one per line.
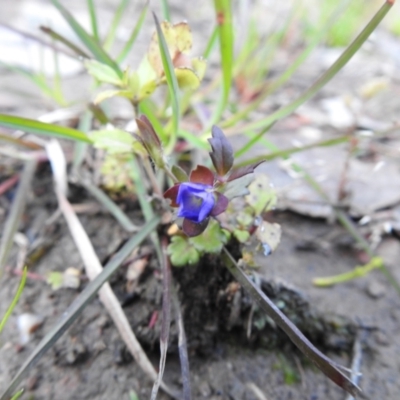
181, 252
115, 141
179, 173
245, 217
238, 187
269, 235
262, 196
103, 72
91, 44
108, 94
42, 128
241, 236
55, 279
211, 240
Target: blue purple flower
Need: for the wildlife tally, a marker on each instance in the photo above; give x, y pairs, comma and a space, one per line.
197, 200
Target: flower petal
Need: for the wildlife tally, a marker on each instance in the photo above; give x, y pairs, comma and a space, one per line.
172, 194
206, 207
202, 175
194, 229
220, 205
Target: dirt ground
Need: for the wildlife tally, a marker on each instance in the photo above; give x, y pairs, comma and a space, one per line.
91, 362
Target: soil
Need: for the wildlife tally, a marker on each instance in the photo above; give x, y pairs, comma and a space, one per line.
234, 351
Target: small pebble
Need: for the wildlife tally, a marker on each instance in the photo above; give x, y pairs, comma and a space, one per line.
204, 389
376, 289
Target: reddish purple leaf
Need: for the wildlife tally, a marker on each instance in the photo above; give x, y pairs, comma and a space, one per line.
242, 171
202, 175
150, 140
220, 205
171, 194
222, 152
192, 228
147, 131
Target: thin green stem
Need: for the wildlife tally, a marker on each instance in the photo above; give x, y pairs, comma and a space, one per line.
15, 299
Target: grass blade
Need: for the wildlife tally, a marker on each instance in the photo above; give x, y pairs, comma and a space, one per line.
225, 33
17, 209
91, 44
182, 347
132, 38
325, 364
328, 75
59, 38
78, 305
165, 10
113, 208
15, 299
212, 41
287, 74
172, 85
285, 153
42, 128
114, 24
93, 20
166, 320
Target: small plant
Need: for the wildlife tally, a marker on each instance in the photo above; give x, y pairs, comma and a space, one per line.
190, 209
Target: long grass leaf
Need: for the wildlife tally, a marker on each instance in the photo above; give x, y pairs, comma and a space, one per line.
165, 10
172, 85
225, 33
212, 41
328, 75
59, 38
15, 299
287, 152
14, 217
93, 20
91, 44
113, 208
182, 347
80, 148
38, 79
42, 128
166, 320
114, 24
78, 305
132, 38
36, 39
324, 363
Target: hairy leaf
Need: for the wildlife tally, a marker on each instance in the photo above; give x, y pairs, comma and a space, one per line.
211, 240
262, 196
181, 252
113, 140
241, 171
222, 152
